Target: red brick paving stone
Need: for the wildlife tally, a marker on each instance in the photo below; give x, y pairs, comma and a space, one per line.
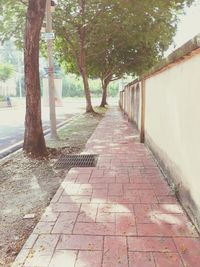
167, 199
97, 173
81, 170
105, 217
189, 249
156, 180
75, 199
63, 207
100, 193
115, 190
142, 213
83, 178
85, 190
174, 218
65, 223
99, 200
102, 180
161, 189
115, 252
80, 242
125, 224
151, 171
89, 259
63, 258
71, 189
94, 228
99, 186
141, 259
124, 200
122, 178
167, 208
138, 180
115, 208
167, 260
133, 186
87, 213
147, 196
135, 172
155, 229
133, 196
150, 244
42, 251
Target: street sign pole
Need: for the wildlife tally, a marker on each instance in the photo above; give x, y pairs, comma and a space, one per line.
52, 109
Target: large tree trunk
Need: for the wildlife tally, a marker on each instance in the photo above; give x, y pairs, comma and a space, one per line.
34, 143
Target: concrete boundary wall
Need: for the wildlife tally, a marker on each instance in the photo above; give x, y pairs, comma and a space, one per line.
165, 105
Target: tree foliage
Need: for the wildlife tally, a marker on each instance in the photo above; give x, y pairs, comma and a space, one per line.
120, 37
105, 39
6, 72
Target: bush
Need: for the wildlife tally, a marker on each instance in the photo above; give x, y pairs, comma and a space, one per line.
2, 98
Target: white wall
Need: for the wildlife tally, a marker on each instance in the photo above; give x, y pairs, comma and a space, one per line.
172, 122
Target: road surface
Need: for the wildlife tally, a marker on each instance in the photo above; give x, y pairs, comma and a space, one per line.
12, 119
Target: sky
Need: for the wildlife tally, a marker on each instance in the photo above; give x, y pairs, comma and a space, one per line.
188, 27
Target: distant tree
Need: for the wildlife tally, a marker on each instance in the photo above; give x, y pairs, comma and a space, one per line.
6, 72
135, 37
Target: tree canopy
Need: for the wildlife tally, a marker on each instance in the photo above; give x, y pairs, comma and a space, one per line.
115, 37
105, 39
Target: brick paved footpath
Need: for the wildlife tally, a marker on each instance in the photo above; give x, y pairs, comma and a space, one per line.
118, 214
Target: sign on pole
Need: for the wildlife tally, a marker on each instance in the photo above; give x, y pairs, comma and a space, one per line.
48, 36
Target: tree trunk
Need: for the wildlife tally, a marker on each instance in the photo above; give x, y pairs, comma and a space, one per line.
82, 59
105, 82
104, 95
83, 72
89, 107
34, 143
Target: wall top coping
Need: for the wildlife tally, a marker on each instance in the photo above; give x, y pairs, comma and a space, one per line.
175, 57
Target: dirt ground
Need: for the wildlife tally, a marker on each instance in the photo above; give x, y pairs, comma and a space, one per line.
28, 185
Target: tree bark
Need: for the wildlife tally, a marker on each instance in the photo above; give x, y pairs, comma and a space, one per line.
89, 107
82, 60
104, 95
105, 82
83, 72
34, 142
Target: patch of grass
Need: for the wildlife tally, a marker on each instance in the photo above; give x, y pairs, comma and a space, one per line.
100, 110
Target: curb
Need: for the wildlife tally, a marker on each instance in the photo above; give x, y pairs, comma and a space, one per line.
14, 148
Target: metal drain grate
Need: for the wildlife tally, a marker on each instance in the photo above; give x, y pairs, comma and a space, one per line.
70, 161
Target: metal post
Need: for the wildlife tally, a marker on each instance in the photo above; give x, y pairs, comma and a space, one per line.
52, 109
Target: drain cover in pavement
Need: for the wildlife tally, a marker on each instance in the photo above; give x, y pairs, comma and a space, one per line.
70, 161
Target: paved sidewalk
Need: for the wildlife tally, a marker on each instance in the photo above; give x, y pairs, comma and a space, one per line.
118, 214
